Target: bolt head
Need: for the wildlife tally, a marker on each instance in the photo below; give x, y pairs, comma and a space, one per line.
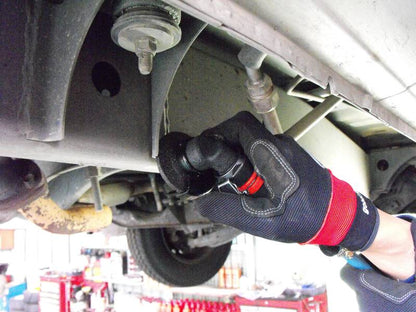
29, 181
263, 95
146, 44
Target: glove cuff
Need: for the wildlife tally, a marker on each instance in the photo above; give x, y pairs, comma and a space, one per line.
340, 215
351, 220
364, 229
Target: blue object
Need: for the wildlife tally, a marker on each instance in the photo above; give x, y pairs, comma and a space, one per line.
410, 280
359, 263
15, 291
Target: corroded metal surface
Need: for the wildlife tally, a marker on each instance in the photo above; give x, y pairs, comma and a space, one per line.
45, 213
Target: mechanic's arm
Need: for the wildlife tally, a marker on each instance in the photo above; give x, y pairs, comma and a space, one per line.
305, 203
392, 250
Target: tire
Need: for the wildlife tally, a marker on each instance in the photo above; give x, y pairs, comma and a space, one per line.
156, 256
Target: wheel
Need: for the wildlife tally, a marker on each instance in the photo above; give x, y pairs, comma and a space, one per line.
164, 255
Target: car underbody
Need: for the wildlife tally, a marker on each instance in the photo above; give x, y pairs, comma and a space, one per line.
80, 126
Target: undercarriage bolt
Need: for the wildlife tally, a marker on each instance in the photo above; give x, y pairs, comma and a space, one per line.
145, 27
29, 181
145, 51
145, 62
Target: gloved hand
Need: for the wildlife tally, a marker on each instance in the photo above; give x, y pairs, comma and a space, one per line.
305, 203
378, 293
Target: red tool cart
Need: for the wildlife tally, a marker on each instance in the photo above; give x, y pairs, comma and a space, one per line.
318, 303
55, 291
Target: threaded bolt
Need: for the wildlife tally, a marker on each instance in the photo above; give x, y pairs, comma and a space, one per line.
145, 50
145, 62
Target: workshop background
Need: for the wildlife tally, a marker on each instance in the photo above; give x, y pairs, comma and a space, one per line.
95, 272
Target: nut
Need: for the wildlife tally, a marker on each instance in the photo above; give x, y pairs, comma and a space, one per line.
146, 44
262, 95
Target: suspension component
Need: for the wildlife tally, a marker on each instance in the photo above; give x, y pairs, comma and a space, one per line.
145, 27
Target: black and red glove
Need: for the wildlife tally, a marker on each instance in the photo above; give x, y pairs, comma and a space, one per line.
304, 202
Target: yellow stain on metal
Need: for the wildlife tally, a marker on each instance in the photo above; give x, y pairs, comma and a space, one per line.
45, 213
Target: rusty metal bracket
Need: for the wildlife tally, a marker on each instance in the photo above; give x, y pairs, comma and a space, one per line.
45, 213
164, 69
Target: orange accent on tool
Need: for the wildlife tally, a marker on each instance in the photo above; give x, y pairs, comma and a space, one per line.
258, 183
252, 185
248, 183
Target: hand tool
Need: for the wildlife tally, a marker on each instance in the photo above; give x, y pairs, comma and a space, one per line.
196, 165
